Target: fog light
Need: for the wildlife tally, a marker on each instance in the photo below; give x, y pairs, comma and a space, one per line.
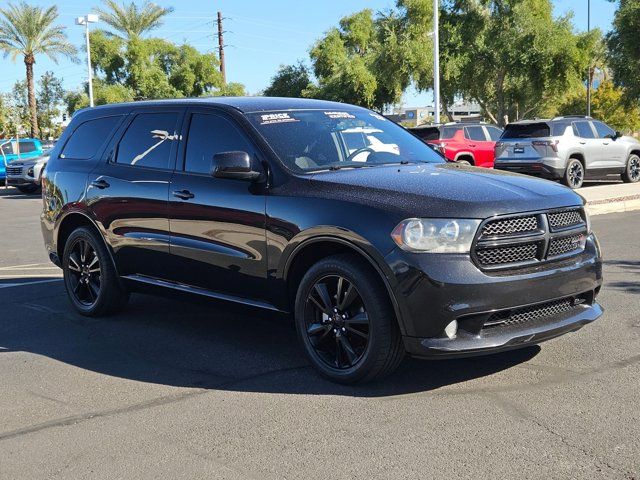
451, 329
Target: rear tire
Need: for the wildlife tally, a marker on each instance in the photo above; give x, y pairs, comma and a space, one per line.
345, 321
574, 174
632, 171
90, 277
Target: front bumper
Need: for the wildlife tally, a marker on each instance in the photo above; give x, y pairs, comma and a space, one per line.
499, 339
433, 290
21, 178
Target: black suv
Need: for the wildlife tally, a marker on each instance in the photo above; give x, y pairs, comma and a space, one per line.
327, 211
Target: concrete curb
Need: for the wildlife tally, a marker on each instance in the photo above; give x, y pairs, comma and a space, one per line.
613, 205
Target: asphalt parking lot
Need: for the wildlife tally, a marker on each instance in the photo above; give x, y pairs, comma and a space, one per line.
173, 389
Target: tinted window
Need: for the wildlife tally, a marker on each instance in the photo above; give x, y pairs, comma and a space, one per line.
448, 132
27, 147
558, 128
583, 129
603, 130
354, 141
494, 133
147, 141
7, 148
208, 135
89, 137
312, 140
474, 133
526, 130
426, 134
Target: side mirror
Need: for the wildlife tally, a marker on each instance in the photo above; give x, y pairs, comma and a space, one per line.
236, 165
618, 135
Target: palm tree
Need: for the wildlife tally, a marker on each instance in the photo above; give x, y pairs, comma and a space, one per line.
29, 31
130, 20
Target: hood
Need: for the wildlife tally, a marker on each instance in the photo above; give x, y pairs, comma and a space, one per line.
28, 161
443, 190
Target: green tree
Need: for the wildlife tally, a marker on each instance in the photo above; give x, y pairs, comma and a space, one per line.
511, 56
29, 31
289, 81
357, 63
130, 21
624, 48
50, 96
606, 105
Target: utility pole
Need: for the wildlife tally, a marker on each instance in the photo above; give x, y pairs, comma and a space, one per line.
86, 20
221, 49
589, 68
436, 63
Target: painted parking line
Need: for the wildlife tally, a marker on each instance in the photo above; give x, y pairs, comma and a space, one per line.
29, 266
25, 283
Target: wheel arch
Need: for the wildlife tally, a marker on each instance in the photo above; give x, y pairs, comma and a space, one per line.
70, 222
314, 249
465, 156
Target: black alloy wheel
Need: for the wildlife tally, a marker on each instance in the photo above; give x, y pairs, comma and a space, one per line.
337, 322
90, 276
574, 175
346, 322
632, 172
84, 272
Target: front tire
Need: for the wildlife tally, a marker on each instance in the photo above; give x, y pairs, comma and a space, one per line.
90, 277
632, 171
28, 188
345, 321
574, 174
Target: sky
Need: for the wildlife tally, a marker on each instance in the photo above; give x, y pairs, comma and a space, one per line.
259, 35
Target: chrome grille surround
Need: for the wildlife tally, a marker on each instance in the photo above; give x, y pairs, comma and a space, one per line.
508, 242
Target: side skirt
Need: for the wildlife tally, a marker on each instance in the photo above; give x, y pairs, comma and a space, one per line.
180, 287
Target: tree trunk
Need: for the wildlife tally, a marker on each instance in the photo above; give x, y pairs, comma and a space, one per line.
29, 60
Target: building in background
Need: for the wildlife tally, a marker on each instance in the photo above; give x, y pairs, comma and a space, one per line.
413, 116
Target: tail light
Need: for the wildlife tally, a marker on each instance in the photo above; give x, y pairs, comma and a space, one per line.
546, 143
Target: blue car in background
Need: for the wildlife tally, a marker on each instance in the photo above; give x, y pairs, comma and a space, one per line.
10, 150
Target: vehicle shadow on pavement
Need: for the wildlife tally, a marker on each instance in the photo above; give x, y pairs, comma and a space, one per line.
15, 194
627, 267
202, 345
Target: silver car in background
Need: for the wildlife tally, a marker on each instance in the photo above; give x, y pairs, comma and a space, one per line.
571, 149
26, 174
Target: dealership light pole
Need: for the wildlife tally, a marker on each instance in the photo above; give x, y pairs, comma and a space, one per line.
86, 20
436, 64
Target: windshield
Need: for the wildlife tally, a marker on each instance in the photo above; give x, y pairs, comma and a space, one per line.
313, 140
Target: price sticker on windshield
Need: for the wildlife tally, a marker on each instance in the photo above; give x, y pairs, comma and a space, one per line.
339, 115
271, 118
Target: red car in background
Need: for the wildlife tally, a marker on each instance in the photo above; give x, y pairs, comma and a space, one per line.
471, 143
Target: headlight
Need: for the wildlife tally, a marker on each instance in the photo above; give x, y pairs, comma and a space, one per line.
587, 220
435, 235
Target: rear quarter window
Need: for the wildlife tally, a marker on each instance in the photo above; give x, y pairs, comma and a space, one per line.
559, 128
449, 132
528, 130
27, 147
89, 137
426, 134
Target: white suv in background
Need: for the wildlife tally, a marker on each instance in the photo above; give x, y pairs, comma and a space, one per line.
571, 148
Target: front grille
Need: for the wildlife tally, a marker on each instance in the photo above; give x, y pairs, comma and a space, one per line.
527, 239
564, 245
517, 316
510, 226
565, 219
512, 254
14, 170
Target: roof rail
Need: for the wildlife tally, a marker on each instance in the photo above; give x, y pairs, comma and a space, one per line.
572, 116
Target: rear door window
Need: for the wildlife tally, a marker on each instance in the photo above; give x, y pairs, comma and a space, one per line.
526, 130
584, 130
494, 133
89, 137
475, 133
448, 132
604, 131
148, 141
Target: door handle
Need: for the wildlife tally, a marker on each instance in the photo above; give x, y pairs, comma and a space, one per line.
101, 184
605, 143
472, 145
583, 143
183, 194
